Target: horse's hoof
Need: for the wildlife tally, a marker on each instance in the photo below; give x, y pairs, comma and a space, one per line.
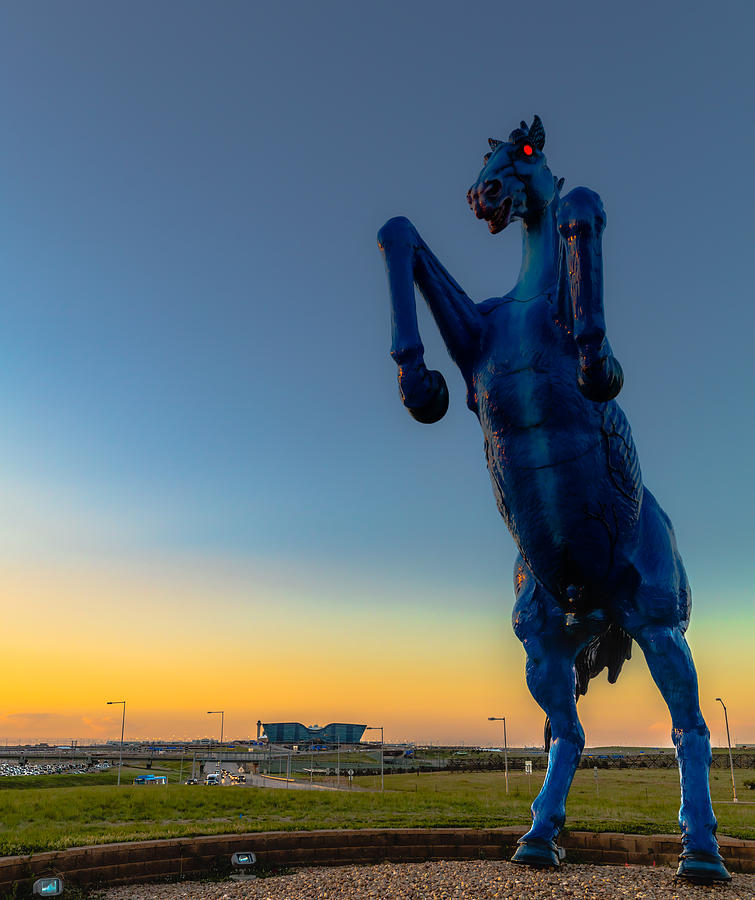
580, 209
437, 406
705, 867
536, 853
601, 381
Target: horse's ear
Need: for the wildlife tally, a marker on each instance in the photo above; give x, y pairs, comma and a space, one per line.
559, 184
537, 133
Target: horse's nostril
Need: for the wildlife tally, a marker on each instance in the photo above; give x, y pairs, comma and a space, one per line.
493, 187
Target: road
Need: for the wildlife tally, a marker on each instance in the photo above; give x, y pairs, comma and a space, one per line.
271, 781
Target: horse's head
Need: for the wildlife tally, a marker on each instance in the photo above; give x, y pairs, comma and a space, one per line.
515, 181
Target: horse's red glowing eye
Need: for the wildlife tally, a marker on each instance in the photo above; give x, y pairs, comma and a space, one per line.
527, 149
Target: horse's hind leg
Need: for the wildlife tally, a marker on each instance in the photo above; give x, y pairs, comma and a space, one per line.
670, 663
538, 623
551, 680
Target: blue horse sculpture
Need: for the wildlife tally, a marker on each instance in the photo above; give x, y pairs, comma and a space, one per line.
598, 565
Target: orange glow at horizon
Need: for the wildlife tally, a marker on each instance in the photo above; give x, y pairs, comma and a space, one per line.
176, 642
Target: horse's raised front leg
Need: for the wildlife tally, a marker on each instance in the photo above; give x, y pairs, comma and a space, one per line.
539, 624
410, 261
670, 663
581, 220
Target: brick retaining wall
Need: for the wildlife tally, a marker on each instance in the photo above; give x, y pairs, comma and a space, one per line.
109, 864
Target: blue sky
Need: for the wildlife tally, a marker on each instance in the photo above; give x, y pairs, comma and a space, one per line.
195, 324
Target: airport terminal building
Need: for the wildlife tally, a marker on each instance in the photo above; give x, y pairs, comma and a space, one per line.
296, 733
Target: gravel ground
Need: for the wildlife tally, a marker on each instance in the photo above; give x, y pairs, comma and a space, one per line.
450, 881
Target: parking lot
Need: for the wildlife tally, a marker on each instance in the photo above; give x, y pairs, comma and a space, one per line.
13, 770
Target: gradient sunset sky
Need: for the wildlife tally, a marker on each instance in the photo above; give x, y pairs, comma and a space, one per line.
211, 494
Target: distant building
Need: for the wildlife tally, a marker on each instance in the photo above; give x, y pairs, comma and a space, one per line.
296, 733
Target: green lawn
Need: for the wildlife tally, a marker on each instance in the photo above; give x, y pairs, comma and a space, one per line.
645, 800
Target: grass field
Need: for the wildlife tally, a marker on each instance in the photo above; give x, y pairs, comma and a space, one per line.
46, 817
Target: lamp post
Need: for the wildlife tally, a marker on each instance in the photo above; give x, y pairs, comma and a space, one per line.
221, 713
382, 769
123, 726
505, 747
728, 741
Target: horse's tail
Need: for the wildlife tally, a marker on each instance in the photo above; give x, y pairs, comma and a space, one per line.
607, 650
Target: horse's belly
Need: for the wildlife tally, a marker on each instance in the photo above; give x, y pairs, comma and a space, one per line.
564, 469
570, 521
515, 399
544, 501
533, 417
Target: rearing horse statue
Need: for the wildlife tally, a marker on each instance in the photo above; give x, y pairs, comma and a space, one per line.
598, 565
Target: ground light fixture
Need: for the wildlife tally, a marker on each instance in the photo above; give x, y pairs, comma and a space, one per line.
243, 864
48, 887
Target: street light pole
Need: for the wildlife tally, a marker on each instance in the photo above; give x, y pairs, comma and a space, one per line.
221, 713
382, 743
123, 726
728, 741
505, 747
382, 760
